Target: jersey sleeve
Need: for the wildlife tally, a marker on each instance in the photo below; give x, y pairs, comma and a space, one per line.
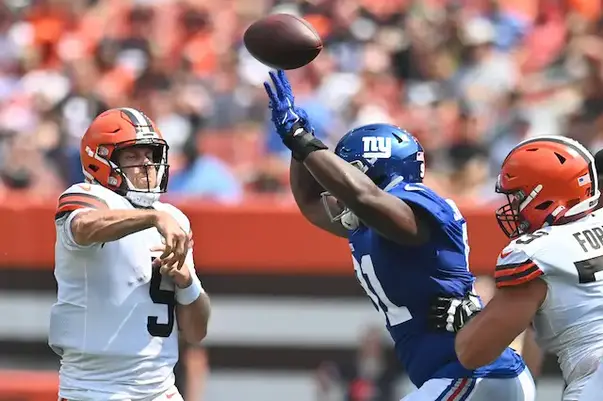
514, 267
421, 196
76, 199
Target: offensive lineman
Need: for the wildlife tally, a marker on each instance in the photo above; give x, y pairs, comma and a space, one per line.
550, 274
408, 245
124, 269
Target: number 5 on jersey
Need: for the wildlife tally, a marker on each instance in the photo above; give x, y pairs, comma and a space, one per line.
365, 272
161, 297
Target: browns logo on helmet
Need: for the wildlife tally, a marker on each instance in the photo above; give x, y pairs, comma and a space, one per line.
548, 180
114, 131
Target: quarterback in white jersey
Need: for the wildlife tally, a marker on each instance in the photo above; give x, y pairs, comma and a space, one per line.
551, 273
124, 269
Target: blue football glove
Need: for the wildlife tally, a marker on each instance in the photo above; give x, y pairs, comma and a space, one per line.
291, 123
285, 116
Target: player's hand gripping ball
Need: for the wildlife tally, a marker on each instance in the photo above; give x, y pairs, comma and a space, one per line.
282, 41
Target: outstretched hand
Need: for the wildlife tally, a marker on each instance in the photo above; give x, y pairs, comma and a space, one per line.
285, 114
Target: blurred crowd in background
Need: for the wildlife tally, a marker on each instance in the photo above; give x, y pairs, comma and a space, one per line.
469, 78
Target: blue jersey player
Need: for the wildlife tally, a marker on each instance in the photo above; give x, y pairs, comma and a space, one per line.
409, 245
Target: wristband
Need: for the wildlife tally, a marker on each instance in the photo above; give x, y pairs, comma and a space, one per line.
188, 295
302, 143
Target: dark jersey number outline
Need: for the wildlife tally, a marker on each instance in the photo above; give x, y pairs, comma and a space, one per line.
588, 268
528, 238
162, 297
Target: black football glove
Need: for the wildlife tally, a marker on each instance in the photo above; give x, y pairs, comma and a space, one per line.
451, 314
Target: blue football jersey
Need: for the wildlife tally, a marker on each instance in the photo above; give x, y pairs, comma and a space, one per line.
401, 281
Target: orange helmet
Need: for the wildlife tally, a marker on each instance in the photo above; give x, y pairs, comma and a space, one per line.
113, 131
548, 180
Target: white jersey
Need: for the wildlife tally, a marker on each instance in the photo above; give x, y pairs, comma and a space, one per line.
569, 323
114, 323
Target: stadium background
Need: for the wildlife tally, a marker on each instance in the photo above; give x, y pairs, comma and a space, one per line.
470, 78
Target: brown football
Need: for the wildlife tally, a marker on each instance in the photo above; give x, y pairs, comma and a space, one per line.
282, 41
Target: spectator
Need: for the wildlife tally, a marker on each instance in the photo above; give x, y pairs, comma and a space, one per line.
510, 28
485, 75
205, 176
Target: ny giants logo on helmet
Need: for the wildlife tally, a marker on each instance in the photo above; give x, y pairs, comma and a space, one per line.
377, 147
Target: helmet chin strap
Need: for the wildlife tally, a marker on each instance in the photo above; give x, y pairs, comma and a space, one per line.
142, 199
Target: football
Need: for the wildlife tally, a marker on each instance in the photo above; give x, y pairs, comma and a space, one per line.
282, 41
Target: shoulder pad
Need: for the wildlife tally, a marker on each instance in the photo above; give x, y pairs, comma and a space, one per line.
92, 196
515, 266
533, 241
96, 190
444, 211
176, 214
81, 196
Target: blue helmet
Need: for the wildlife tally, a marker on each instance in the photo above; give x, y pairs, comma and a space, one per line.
384, 153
